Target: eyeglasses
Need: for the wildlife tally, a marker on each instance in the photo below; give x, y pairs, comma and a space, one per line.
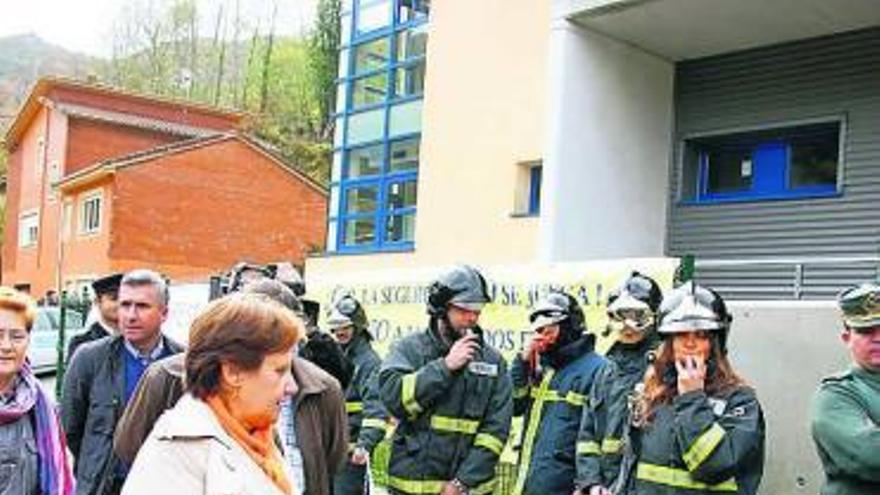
636, 319
16, 336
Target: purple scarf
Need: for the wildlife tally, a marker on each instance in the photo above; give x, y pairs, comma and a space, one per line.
55, 475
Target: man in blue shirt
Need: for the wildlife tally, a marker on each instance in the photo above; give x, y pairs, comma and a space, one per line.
103, 375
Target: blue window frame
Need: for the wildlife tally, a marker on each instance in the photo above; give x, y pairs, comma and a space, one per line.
775, 163
376, 148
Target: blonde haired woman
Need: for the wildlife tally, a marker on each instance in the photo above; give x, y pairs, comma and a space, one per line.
33, 457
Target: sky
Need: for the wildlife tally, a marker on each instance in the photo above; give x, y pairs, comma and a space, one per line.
86, 26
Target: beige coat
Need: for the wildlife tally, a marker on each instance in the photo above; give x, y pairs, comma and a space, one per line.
189, 453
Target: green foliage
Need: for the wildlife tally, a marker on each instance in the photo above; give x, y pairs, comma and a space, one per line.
324, 62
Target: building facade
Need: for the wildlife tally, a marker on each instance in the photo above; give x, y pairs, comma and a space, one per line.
573, 130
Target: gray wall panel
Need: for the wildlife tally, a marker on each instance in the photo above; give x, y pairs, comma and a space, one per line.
836, 76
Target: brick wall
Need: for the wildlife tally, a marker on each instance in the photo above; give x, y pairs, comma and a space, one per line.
197, 212
90, 141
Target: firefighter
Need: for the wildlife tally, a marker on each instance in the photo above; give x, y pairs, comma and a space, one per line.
552, 377
451, 393
696, 428
846, 409
632, 311
347, 320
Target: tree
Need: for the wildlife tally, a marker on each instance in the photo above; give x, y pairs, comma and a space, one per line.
324, 63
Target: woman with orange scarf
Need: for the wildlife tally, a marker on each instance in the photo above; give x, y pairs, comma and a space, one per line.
219, 437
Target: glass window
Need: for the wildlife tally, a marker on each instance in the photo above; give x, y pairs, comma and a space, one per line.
814, 156
406, 118
729, 170
371, 56
404, 155
365, 161
412, 43
90, 219
793, 161
366, 126
400, 228
414, 9
372, 17
361, 199
360, 231
369, 90
28, 229
409, 80
401, 195
535, 175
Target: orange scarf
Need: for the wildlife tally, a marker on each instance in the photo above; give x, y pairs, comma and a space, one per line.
259, 444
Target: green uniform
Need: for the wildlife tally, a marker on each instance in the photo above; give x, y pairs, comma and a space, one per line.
846, 429
367, 418
452, 425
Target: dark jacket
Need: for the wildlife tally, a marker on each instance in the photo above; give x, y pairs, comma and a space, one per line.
367, 418
321, 429
599, 443
452, 424
19, 462
552, 411
158, 390
698, 445
93, 400
846, 429
95, 332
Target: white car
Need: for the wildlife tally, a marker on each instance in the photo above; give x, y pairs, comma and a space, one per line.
43, 350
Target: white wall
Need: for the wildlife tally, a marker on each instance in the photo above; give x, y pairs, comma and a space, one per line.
608, 146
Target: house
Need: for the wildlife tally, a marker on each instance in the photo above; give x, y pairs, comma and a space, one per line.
102, 180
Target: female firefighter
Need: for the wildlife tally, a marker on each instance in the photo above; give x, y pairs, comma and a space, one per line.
696, 428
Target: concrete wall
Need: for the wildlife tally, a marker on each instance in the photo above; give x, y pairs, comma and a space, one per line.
784, 349
609, 131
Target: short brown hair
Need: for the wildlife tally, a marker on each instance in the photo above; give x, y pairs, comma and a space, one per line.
20, 303
238, 329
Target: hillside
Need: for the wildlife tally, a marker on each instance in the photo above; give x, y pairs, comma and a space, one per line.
26, 57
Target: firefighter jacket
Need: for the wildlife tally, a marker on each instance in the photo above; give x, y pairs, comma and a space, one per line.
367, 419
599, 444
452, 425
552, 409
698, 445
846, 429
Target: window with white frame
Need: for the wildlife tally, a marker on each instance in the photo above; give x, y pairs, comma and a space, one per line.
28, 229
90, 214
